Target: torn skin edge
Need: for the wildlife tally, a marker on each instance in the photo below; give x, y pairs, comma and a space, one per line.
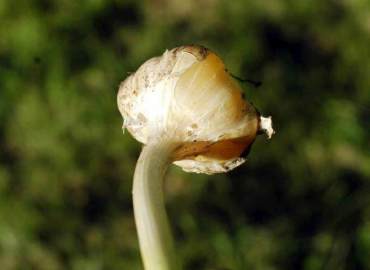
266, 126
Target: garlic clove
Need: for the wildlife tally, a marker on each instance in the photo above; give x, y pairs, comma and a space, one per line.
205, 95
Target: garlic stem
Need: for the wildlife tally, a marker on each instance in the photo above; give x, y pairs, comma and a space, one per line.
155, 238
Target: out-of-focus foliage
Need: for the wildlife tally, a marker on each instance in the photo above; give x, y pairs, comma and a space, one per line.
301, 202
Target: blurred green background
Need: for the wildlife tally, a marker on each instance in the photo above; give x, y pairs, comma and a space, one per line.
302, 201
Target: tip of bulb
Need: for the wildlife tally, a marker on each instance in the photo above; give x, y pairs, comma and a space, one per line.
266, 126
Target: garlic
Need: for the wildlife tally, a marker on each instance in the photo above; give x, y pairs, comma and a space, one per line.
187, 96
187, 110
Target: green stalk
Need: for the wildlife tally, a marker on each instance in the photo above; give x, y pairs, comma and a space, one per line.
155, 238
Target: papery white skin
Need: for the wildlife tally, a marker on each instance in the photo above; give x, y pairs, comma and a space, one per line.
145, 97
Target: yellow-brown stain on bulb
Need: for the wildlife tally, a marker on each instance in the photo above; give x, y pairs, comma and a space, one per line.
221, 150
211, 91
214, 94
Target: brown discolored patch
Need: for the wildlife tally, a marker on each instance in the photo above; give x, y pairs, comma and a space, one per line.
141, 118
221, 150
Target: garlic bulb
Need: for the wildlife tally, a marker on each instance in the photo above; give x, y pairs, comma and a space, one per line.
186, 109
187, 96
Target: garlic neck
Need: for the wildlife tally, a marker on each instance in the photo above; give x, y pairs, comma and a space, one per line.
156, 243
